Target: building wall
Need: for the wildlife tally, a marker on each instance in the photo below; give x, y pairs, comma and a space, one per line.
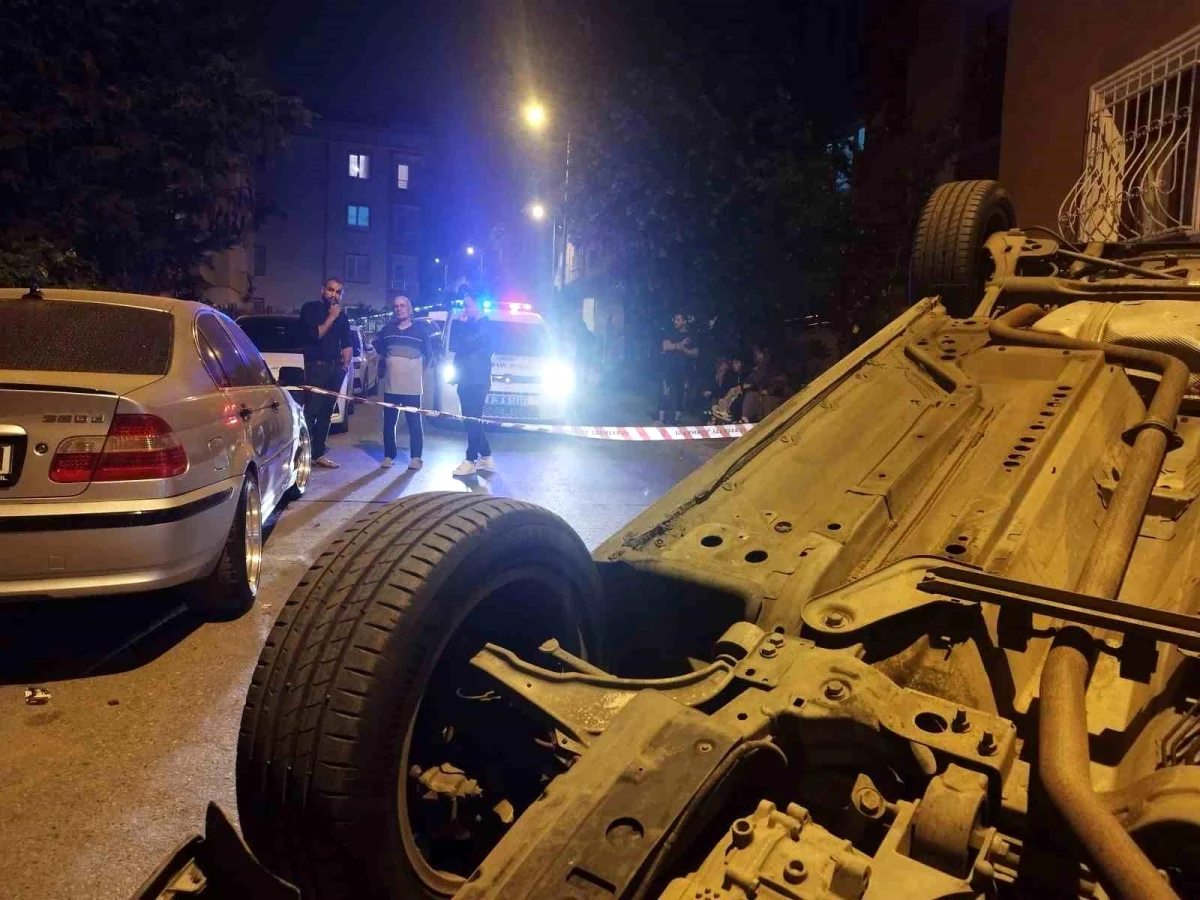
228, 275
308, 237
1056, 52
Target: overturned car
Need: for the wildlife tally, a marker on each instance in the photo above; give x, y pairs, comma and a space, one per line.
928, 631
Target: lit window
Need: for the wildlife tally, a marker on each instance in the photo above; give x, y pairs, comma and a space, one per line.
360, 165
358, 216
402, 176
358, 267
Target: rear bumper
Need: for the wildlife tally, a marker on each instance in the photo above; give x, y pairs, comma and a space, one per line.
57, 550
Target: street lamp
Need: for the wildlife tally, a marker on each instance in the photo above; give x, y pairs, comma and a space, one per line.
535, 115
537, 211
536, 119
471, 252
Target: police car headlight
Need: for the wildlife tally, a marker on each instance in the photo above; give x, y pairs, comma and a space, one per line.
558, 378
448, 372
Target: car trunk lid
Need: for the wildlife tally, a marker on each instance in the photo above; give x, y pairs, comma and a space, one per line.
64, 366
34, 421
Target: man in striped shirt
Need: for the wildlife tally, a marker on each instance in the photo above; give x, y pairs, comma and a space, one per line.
405, 349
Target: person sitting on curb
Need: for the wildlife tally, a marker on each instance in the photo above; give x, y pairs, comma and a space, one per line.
405, 349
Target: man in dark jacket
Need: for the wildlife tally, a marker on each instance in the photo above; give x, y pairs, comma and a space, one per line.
406, 350
471, 341
678, 354
327, 350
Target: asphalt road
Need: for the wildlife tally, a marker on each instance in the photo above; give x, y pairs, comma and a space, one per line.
104, 780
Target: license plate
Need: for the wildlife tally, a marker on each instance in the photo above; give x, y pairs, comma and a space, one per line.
509, 400
6, 461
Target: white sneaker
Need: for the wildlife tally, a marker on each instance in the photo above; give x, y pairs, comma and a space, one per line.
325, 462
387, 463
465, 468
415, 463
485, 464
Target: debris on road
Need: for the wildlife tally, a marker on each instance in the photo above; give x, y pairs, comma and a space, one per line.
36, 696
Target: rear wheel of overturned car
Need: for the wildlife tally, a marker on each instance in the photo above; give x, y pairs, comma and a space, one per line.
231, 588
365, 685
949, 257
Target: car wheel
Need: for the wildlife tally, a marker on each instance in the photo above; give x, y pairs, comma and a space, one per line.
233, 585
366, 673
302, 466
949, 258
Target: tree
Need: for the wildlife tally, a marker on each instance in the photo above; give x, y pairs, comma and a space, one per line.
893, 177
130, 131
708, 191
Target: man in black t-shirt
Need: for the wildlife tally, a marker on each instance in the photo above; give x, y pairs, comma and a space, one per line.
677, 355
327, 351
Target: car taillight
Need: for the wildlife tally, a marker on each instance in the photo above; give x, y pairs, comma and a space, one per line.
136, 447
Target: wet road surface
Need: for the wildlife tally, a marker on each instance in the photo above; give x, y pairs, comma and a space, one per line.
102, 782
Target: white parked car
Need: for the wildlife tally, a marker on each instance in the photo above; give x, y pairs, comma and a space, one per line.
280, 341
530, 382
364, 364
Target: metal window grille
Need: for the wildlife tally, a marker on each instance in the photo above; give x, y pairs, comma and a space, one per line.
1139, 178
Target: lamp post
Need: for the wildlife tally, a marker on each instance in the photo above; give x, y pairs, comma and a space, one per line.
536, 119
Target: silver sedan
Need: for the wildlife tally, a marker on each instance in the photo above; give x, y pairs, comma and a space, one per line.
143, 441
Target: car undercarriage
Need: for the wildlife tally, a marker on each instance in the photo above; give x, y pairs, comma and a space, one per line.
927, 631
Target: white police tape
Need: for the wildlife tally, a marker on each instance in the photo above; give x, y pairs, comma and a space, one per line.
593, 432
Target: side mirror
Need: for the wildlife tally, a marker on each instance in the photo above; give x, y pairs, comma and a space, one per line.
291, 376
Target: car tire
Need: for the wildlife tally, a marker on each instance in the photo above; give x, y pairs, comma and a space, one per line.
230, 590
301, 466
949, 258
336, 700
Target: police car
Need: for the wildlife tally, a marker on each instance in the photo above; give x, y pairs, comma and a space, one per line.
530, 382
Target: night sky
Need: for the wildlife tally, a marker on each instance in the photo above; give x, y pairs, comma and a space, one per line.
460, 69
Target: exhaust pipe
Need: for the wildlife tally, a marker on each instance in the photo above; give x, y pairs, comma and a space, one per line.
1063, 757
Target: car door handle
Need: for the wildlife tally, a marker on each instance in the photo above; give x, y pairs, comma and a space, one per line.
245, 412
275, 405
